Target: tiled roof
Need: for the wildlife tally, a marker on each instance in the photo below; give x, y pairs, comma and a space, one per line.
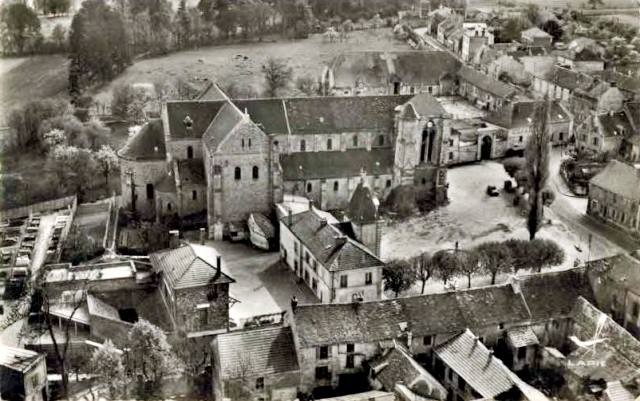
19, 359
425, 315
329, 245
368, 67
617, 392
569, 79
319, 115
188, 266
146, 144
167, 184
522, 337
336, 164
191, 172
553, 294
257, 352
201, 114
426, 105
471, 360
514, 115
486, 83
362, 206
615, 124
268, 114
619, 178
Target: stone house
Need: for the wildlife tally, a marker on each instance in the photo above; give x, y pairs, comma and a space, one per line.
474, 139
475, 35
614, 196
616, 285
559, 83
194, 288
23, 375
255, 364
337, 268
581, 60
604, 132
536, 37
482, 90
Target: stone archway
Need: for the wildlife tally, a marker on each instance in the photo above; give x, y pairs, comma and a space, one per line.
486, 148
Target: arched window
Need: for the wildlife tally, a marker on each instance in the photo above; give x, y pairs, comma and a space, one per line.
194, 195
169, 206
255, 172
237, 173
427, 143
303, 145
329, 144
336, 185
242, 142
150, 191
189, 152
309, 187
355, 141
249, 142
381, 140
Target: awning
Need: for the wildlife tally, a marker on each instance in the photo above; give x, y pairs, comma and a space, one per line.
520, 337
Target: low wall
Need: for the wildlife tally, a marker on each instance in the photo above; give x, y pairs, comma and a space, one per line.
55, 204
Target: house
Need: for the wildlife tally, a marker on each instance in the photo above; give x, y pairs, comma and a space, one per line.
616, 282
630, 146
194, 287
604, 132
482, 90
614, 196
559, 82
581, 60
470, 371
536, 37
398, 372
435, 17
23, 375
337, 268
474, 139
257, 363
475, 35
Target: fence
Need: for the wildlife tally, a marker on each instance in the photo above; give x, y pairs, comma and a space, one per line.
55, 204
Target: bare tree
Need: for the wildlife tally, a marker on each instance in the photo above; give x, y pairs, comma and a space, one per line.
537, 167
424, 269
277, 76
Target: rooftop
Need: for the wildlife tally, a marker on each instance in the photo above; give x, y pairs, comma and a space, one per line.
535, 32
363, 206
146, 144
99, 271
486, 83
619, 178
19, 359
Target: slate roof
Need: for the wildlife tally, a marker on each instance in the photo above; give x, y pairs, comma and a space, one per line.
265, 225
426, 105
19, 359
619, 178
317, 165
188, 266
485, 82
201, 114
472, 361
566, 78
212, 92
615, 124
224, 122
425, 315
329, 245
617, 392
362, 206
167, 184
146, 144
514, 115
624, 82
553, 294
366, 66
257, 352
191, 172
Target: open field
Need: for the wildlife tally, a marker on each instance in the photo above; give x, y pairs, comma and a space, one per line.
554, 3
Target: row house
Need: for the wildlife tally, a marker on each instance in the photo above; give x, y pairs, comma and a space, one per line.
580, 60
484, 91
333, 341
559, 83
475, 35
614, 196
336, 267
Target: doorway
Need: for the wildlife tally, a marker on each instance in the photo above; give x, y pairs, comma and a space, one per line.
485, 148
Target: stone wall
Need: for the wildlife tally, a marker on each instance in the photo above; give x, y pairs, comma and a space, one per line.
178, 149
146, 172
188, 314
115, 330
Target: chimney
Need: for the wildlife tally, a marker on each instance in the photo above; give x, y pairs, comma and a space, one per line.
203, 235
218, 268
290, 218
174, 239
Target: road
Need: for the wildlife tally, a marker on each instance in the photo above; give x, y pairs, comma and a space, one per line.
572, 211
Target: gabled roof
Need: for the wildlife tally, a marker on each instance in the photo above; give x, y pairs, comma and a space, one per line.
362, 206
19, 359
424, 67
189, 266
566, 78
615, 124
522, 336
514, 115
146, 144
622, 270
466, 355
426, 105
485, 82
212, 92
222, 125
332, 248
257, 352
620, 178
201, 113
535, 32
336, 164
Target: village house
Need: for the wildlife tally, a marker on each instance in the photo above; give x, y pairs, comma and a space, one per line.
474, 139
616, 285
194, 288
337, 268
259, 363
536, 37
475, 35
484, 91
435, 17
614, 196
581, 60
204, 155
604, 132
449, 32
558, 82
630, 146
399, 73
23, 375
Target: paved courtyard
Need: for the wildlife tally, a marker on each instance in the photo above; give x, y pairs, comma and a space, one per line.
263, 284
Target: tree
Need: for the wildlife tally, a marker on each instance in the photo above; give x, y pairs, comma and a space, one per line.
468, 264
445, 265
398, 276
277, 76
79, 247
108, 162
533, 13
150, 355
511, 28
121, 97
595, 3
25, 122
554, 29
545, 253
195, 355
183, 26
424, 269
307, 85
106, 363
59, 36
53, 138
519, 251
537, 167
18, 25
75, 168
495, 257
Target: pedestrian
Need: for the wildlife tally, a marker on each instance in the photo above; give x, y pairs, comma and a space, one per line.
294, 304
